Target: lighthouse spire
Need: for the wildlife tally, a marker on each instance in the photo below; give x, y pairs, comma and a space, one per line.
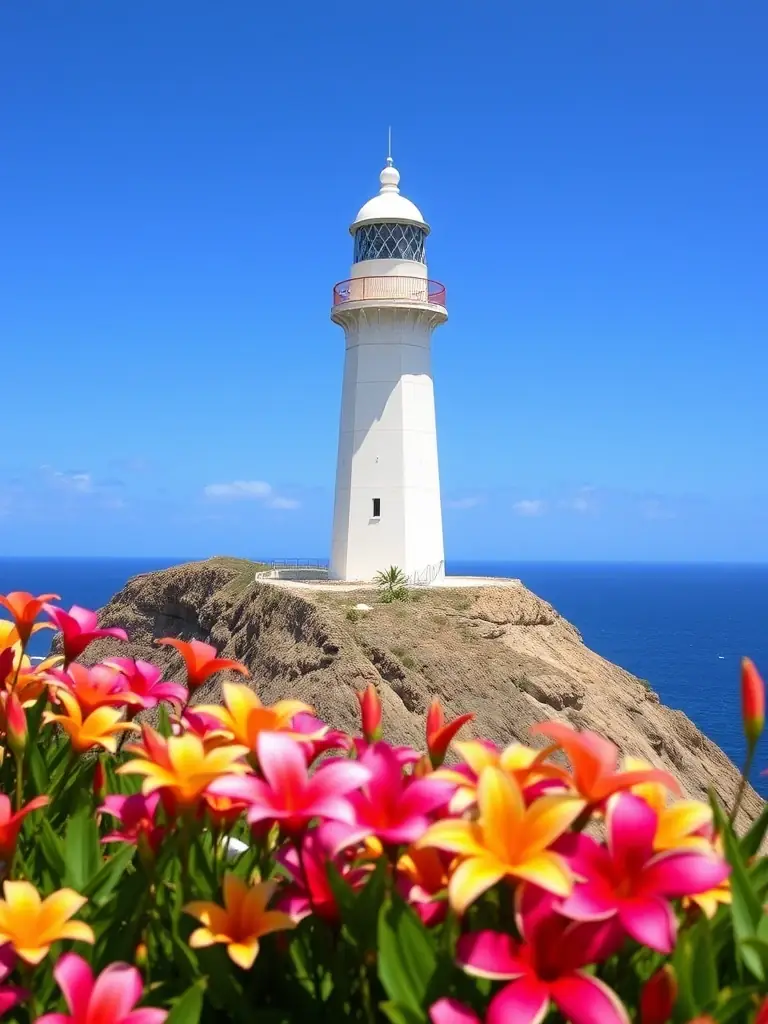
389, 146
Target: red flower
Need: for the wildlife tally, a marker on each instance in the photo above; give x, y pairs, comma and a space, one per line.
440, 734
310, 890
658, 996
79, 627
10, 824
24, 609
370, 712
752, 701
201, 660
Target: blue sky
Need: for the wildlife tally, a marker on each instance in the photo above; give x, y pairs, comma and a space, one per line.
176, 183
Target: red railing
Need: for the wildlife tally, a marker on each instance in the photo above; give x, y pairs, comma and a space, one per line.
396, 289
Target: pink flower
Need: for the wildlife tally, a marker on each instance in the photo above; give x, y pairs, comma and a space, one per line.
92, 688
288, 795
10, 995
145, 682
108, 999
317, 851
137, 815
316, 737
450, 1011
79, 627
546, 967
393, 807
205, 726
625, 878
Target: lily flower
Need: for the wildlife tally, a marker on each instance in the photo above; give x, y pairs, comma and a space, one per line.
316, 737
627, 879
32, 925
370, 713
201, 660
206, 727
108, 999
309, 890
241, 922
137, 815
678, 824
10, 824
79, 627
451, 1011
99, 729
92, 688
244, 716
145, 683
422, 878
31, 679
24, 609
508, 840
180, 767
440, 733
545, 968
10, 995
595, 763
395, 808
287, 794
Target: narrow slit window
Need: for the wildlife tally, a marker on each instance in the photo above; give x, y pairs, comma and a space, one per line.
377, 508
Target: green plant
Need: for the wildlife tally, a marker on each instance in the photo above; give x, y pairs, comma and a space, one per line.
392, 584
353, 615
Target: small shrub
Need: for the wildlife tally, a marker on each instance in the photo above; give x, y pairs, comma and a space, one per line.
392, 584
353, 615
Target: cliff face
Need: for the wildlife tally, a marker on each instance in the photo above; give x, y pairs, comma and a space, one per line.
500, 652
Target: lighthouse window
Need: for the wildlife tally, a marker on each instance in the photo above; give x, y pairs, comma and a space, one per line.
377, 508
389, 242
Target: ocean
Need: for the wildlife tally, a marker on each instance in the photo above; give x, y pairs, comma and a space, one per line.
681, 627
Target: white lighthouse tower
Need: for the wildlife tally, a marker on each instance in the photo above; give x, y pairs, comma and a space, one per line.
387, 507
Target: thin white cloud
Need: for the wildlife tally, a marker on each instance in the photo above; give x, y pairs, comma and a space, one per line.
530, 507
472, 501
80, 483
249, 490
584, 502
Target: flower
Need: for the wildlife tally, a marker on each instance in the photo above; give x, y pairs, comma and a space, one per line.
108, 999
287, 794
595, 761
658, 995
309, 890
241, 922
450, 1011
10, 824
626, 878
137, 815
507, 840
752, 701
17, 731
709, 901
180, 767
145, 683
79, 627
391, 806
10, 995
32, 925
546, 967
678, 824
206, 727
92, 688
201, 660
370, 713
244, 716
440, 734
24, 609
99, 729
422, 877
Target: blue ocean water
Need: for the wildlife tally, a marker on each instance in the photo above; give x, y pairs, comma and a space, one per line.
681, 627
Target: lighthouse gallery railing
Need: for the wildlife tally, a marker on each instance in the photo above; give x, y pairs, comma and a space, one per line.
394, 288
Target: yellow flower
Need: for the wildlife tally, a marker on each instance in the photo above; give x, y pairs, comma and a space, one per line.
99, 729
31, 925
678, 821
507, 840
181, 766
244, 716
241, 922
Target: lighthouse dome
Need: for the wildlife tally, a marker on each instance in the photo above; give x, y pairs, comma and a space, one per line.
389, 206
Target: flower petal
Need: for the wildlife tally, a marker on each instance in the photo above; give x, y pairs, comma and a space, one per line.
525, 1001
631, 828
337, 778
547, 870
583, 999
117, 990
282, 761
471, 879
449, 1011
683, 873
650, 921
454, 836
146, 1015
489, 954
243, 953
75, 979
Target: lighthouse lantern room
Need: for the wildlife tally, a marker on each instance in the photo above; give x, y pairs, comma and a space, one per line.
387, 505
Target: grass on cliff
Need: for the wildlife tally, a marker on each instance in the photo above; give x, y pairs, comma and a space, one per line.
245, 570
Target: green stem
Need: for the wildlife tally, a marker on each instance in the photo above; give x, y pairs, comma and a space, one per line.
19, 781
365, 986
743, 783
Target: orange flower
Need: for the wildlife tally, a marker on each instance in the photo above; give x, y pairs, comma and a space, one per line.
99, 729
752, 701
32, 925
680, 823
24, 609
241, 922
595, 763
244, 716
507, 840
201, 660
180, 766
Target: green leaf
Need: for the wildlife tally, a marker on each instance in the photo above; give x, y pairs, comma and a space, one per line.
407, 957
733, 1006
759, 948
82, 854
189, 1008
101, 885
360, 909
52, 849
752, 840
399, 1014
37, 769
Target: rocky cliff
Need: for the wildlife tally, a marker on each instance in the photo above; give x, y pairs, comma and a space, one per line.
501, 652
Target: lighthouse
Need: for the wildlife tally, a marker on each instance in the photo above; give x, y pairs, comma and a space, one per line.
387, 503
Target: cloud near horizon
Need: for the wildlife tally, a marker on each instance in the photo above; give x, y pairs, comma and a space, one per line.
249, 490
530, 507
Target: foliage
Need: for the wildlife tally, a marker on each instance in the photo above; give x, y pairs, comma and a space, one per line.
215, 868
392, 584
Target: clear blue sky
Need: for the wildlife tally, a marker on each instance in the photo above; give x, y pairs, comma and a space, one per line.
176, 183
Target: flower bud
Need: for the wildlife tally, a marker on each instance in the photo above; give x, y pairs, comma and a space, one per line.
762, 1012
657, 999
141, 956
752, 701
16, 724
370, 712
99, 781
440, 735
